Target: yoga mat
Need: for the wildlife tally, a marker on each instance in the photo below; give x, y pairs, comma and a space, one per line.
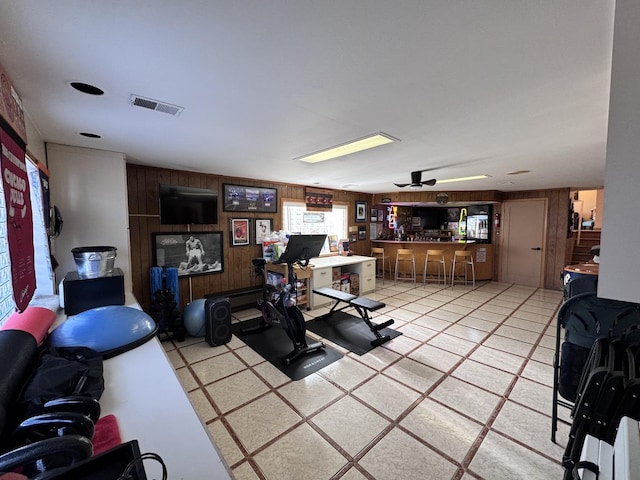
155, 274
35, 320
272, 344
347, 331
172, 283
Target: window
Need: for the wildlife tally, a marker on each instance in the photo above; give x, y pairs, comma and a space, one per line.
296, 219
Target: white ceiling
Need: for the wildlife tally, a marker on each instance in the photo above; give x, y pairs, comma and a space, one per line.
490, 86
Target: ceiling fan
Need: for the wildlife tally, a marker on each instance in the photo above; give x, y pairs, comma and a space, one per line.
416, 180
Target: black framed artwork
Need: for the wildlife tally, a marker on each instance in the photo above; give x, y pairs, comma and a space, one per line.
361, 211
263, 229
239, 231
240, 198
192, 253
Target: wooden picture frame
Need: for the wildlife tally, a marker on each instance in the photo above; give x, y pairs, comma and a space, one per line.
192, 253
239, 232
242, 198
263, 228
361, 211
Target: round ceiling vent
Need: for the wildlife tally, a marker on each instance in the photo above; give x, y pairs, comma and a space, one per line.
442, 198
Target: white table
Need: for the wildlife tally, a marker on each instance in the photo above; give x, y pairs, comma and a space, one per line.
321, 276
144, 393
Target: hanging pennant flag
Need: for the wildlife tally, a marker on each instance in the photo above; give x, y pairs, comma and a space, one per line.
15, 183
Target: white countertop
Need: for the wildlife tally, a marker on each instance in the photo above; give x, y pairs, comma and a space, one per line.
144, 393
337, 261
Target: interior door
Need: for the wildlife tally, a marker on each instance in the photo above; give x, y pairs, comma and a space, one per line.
523, 241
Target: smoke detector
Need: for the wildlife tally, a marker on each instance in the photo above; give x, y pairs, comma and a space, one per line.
157, 105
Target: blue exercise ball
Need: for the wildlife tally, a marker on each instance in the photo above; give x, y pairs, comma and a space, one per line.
193, 318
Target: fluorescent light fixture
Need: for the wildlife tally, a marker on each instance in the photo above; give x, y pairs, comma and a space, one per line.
353, 146
463, 179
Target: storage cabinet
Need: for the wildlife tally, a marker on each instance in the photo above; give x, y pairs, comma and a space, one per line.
368, 277
321, 277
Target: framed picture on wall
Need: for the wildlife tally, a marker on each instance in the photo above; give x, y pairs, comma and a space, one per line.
192, 253
239, 231
240, 198
264, 227
361, 211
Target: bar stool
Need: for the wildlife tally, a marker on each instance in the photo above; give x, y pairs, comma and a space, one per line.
437, 257
378, 254
463, 258
405, 255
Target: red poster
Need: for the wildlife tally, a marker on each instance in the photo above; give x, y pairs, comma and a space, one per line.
19, 220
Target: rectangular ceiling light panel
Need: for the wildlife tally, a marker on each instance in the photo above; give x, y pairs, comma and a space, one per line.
462, 179
364, 143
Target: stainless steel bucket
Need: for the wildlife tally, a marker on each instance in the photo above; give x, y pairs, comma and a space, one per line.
94, 262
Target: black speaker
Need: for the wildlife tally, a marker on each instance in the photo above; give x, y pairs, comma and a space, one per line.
217, 321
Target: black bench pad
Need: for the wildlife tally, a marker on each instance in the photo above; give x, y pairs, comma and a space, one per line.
336, 294
369, 304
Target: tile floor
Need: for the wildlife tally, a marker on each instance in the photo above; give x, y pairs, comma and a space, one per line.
464, 393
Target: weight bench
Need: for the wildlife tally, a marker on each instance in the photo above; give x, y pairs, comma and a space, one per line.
362, 305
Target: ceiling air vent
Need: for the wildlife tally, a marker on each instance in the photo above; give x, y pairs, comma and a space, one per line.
158, 106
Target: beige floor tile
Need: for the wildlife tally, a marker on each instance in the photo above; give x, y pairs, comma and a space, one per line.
467, 333
548, 341
484, 376
404, 314
472, 303
505, 302
532, 394
263, 420
469, 400
544, 355
488, 316
442, 428
310, 394
501, 459
186, 379
435, 357
347, 373
417, 308
446, 315
350, 424
225, 443
430, 302
534, 317
517, 334
200, 351
530, 428
353, 474
545, 310
478, 324
302, 454
399, 456
539, 372
416, 332
493, 307
498, 359
413, 374
386, 396
524, 324
236, 389
271, 374
378, 358
402, 344
174, 357
459, 309
396, 302
202, 405
508, 345
452, 344
427, 321
249, 355
245, 472
217, 367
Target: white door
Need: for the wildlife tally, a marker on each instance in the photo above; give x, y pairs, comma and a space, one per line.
523, 242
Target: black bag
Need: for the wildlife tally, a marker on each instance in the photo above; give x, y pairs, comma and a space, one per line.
60, 372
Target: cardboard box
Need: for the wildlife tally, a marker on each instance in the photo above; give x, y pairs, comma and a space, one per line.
335, 273
345, 287
335, 285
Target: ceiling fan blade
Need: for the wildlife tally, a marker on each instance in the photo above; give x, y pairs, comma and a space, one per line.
401, 185
431, 182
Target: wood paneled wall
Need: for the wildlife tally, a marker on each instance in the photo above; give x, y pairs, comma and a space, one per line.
144, 220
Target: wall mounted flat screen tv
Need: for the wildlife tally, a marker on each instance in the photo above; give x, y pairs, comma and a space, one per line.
188, 205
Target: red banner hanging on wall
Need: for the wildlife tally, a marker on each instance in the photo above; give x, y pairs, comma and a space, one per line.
15, 183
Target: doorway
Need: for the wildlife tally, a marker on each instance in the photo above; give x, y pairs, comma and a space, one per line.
523, 242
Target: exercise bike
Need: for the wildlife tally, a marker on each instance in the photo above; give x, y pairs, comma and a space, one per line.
278, 303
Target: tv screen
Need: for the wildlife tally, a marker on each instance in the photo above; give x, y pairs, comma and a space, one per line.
188, 205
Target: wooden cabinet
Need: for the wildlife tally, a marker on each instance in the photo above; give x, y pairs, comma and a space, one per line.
302, 286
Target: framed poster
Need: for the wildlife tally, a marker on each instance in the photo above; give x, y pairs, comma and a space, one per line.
240, 198
264, 227
239, 230
192, 253
373, 215
361, 211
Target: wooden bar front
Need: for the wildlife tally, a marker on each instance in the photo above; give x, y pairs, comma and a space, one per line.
482, 254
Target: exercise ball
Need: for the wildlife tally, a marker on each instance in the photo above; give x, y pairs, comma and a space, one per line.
193, 318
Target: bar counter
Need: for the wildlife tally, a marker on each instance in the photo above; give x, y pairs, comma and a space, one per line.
482, 254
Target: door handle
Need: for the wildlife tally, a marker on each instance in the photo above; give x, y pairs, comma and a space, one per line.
536, 248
